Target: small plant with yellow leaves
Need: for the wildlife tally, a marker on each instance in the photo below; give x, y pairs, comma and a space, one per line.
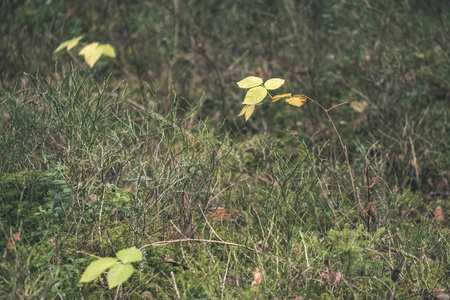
91, 52
258, 91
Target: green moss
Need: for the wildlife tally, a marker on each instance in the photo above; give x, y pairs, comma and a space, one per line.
21, 194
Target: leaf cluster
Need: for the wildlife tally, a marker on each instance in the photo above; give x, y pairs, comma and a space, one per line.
91, 52
120, 268
258, 91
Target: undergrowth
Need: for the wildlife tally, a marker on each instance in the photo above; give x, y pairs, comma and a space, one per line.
99, 173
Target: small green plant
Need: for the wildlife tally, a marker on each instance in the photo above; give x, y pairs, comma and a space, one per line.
119, 271
258, 91
91, 52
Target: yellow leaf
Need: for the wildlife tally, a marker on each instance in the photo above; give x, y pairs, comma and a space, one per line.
73, 43
68, 44
255, 95
108, 50
274, 83
297, 100
91, 53
249, 82
86, 49
94, 51
248, 111
359, 106
281, 96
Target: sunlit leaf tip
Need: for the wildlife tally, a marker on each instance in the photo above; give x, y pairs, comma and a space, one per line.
249, 82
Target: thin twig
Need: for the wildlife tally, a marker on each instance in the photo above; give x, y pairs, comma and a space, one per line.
344, 148
117, 292
177, 229
163, 243
334, 106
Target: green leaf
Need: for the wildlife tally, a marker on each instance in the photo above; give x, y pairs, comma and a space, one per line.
129, 255
96, 268
248, 111
249, 82
274, 83
68, 44
255, 95
119, 274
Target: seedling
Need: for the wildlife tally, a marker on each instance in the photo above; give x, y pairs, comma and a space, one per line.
119, 271
258, 91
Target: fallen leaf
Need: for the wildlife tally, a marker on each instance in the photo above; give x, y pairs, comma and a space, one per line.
219, 214
10, 246
94, 197
438, 215
326, 276
258, 277
146, 294
16, 236
337, 278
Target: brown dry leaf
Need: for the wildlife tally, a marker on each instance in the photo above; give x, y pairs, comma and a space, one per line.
371, 209
337, 278
419, 55
326, 276
365, 62
301, 70
438, 215
94, 197
146, 294
219, 214
258, 277
10, 245
128, 187
414, 162
16, 236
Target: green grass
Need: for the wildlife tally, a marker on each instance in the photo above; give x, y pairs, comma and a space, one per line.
113, 175
146, 151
